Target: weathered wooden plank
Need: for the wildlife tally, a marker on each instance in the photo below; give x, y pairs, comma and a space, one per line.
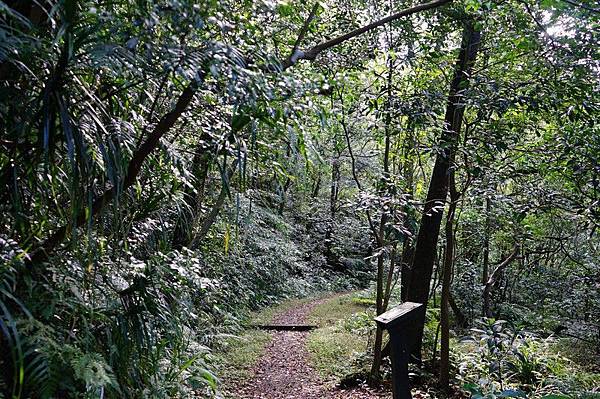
283, 327
396, 314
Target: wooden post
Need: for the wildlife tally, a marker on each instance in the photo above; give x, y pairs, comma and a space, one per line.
401, 323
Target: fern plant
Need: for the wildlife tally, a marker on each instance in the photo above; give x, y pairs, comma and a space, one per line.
91, 368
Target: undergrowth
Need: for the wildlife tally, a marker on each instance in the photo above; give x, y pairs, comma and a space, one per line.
493, 360
340, 346
146, 320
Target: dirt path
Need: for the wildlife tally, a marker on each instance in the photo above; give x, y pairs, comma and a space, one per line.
284, 371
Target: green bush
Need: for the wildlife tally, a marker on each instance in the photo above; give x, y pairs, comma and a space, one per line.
497, 358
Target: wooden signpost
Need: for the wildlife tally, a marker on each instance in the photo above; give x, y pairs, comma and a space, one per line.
400, 323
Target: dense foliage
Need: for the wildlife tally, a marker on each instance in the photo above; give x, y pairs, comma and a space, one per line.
167, 166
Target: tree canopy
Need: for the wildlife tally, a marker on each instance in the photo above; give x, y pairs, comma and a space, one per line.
168, 166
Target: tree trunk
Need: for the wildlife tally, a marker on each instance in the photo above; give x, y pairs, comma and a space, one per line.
390, 277
405, 272
284, 188
438, 187
444, 378
486, 243
436, 276
316, 187
211, 217
335, 187
283, 198
408, 170
374, 377
332, 258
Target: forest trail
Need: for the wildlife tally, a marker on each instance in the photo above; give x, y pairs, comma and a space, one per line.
284, 372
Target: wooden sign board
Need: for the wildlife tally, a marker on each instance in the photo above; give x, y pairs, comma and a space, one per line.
397, 315
400, 323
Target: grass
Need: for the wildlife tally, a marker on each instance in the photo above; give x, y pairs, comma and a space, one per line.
238, 356
334, 353
337, 308
338, 348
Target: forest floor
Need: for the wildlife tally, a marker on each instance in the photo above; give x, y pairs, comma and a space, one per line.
333, 360
284, 370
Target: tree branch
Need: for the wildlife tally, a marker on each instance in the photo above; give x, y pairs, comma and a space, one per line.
302, 33
581, 5
502, 266
313, 52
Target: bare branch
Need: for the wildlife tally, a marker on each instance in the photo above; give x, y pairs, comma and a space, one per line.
503, 265
303, 31
312, 53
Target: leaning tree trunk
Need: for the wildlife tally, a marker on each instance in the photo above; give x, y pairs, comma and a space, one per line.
163, 126
429, 229
211, 217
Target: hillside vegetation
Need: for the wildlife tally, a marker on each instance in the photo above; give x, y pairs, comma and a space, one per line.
169, 168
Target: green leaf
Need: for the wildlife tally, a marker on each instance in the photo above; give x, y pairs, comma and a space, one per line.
285, 9
239, 121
